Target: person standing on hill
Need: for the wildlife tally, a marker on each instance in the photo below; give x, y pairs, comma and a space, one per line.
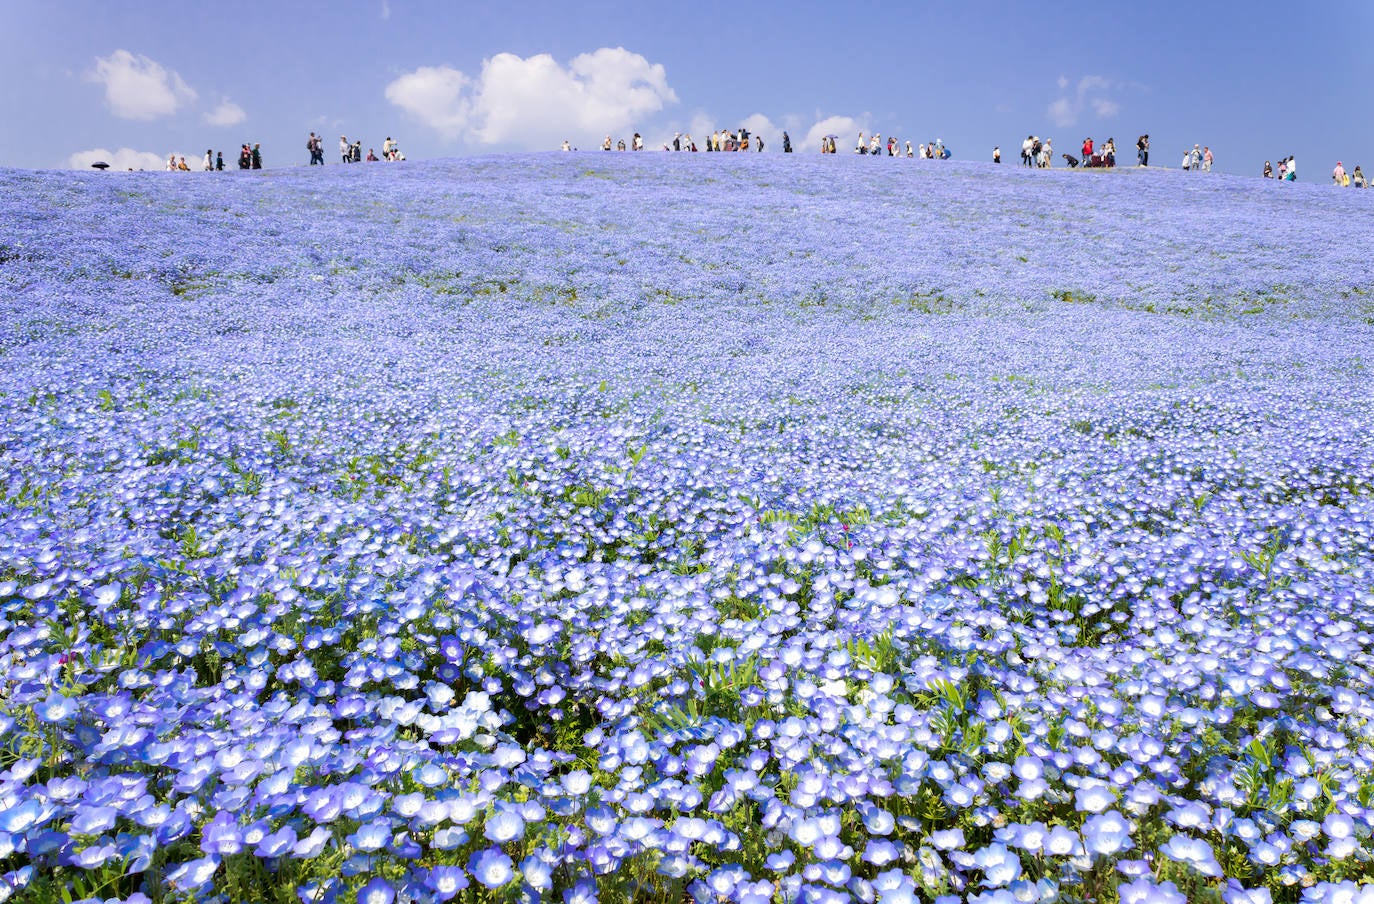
997, 155
1207, 160
1268, 170
1142, 150
219, 161
345, 150
1087, 152
1338, 175
786, 142
256, 156
209, 161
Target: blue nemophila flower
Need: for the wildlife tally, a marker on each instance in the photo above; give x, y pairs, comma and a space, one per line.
221, 836
1000, 866
56, 708
311, 845
93, 857
1143, 891
1193, 851
377, 891
371, 836
193, 875
491, 867
277, 844
1107, 834
446, 881
1235, 893
93, 820
503, 826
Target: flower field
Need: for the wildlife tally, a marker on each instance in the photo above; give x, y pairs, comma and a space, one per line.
677, 527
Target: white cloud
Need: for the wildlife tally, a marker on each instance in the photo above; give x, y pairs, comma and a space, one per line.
535, 102
847, 128
139, 88
758, 124
226, 114
1088, 95
125, 159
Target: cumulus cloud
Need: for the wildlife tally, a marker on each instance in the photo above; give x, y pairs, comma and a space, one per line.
758, 124
227, 113
139, 88
846, 127
1089, 95
536, 102
124, 159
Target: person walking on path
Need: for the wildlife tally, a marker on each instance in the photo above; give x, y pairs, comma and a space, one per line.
1338, 175
1142, 150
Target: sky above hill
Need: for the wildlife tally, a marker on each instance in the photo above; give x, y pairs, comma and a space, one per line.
130, 83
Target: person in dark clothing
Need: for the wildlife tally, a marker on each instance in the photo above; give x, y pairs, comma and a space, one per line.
786, 143
1142, 150
219, 161
257, 156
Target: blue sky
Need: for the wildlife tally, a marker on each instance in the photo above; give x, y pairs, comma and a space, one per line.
135, 81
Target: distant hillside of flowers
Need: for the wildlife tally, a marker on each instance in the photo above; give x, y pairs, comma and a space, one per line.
583, 527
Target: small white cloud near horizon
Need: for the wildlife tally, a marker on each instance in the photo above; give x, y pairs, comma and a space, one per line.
1090, 95
535, 102
126, 159
845, 128
139, 88
226, 114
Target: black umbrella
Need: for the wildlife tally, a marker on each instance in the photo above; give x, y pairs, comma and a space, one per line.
100, 165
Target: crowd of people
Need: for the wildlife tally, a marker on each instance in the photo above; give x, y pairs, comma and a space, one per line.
1035, 152
719, 140
1039, 153
352, 151
1198, 161
250, 157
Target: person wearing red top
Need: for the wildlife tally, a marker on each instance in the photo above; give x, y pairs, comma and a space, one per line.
1087, 152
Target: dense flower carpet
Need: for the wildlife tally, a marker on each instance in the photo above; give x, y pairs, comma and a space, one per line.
685, 528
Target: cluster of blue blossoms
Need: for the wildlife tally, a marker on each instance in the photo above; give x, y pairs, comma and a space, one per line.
743, 529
